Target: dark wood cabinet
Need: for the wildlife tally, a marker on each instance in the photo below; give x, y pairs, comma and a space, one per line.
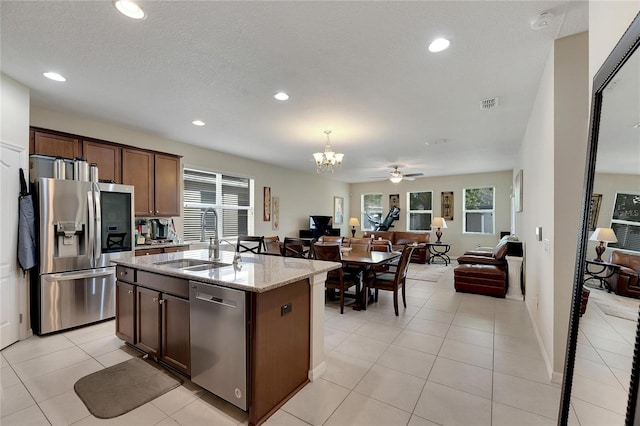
138, 170
125, 311
108, 158
147, 252
176, 342
167, 185
159, 250
148, 320
53, 144
156, 179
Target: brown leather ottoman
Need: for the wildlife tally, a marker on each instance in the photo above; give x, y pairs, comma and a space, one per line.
480, 279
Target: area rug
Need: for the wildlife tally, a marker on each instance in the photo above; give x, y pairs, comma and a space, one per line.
426, 272
614, 305
121, 388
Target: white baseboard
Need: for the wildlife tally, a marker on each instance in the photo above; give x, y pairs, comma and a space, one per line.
545, 357
318, 371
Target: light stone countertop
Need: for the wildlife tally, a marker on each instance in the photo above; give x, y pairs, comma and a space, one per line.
254, 272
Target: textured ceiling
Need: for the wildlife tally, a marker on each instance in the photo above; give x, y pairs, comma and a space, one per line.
360, 69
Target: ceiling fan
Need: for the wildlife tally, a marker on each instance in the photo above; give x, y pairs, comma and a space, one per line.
397, 176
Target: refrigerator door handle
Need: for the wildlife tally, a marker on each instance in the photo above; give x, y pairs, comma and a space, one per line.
98, 225
91, 226
66, 276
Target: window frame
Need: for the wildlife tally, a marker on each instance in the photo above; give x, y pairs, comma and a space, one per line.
624, 222
219, 205
482, 211
363, 217
424, 211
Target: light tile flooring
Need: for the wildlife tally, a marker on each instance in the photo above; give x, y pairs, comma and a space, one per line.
454, 359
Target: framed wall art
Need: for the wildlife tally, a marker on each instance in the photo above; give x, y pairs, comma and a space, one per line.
338, 210
267, 204
275, 225
594, 211
446, 205
517, 192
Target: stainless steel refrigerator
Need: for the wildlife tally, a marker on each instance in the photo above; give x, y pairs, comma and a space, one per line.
82, 227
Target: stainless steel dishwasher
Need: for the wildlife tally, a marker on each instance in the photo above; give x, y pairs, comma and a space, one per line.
219, 341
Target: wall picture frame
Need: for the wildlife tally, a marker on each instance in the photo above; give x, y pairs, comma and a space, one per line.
275, 213
446, 205
266, 216
594, 211
338, 210
517, 192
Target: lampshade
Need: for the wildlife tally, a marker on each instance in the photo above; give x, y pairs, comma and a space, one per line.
605, 235
354, 221
438, 222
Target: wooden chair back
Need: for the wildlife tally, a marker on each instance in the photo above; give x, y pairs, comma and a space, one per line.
249, 244
297, 247
360, 245
272, 245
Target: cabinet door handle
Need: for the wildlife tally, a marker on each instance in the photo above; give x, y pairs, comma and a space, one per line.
150, 211
123, 273
161, 301
130, 291
155, 299
157, 211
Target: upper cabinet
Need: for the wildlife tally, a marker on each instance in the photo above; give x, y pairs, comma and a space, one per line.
155, 175
167, 185
107, 157
156, 181
54, 145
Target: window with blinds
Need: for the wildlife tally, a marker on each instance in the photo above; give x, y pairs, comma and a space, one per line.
625, 222
230, 196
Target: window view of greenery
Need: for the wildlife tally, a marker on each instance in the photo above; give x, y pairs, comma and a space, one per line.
229, 195
420, 210
625, 222
479, 210
371, 211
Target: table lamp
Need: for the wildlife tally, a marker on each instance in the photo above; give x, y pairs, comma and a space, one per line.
438, 223
604, 235
353, 222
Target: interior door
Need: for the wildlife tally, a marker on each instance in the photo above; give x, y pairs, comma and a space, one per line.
11, 278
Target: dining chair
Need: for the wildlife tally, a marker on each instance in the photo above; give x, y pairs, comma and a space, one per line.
330, 239
360, 245
272, 246
392, 281
336, 279
249, 244
298, 247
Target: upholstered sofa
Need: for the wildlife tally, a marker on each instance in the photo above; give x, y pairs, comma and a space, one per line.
626, 282
399, 239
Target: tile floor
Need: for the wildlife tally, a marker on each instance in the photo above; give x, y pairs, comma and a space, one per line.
454, 359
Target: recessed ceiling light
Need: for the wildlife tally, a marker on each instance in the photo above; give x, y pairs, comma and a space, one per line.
281, 96
129, 8
54, 76
438, 45
198, 123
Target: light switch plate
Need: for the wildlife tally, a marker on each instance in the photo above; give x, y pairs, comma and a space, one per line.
539, 233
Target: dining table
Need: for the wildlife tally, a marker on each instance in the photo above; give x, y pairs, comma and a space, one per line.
365, 261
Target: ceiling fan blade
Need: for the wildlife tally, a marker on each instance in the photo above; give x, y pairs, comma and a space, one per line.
407, 178
413, 175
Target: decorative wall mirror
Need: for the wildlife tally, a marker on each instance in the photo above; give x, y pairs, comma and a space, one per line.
612, 169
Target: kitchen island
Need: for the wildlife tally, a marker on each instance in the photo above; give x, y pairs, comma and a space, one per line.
156, 300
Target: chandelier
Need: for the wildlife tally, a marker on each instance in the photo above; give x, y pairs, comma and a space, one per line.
328, 160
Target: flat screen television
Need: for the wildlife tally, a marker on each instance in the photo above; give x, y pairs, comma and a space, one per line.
322, 221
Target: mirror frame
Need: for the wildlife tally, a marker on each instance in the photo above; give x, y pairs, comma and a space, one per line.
628, 44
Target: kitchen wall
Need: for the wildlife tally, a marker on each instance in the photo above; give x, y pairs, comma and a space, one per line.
301, 194
453, 234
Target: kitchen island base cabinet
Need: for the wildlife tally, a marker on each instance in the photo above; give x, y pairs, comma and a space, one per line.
176, 345
279, 347
148, 321
125, 311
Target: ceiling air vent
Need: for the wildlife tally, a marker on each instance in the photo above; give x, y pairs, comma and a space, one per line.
489, 103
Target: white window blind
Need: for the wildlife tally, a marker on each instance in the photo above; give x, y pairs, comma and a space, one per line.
230, 196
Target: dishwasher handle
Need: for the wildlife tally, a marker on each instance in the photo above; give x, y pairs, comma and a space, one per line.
217, 300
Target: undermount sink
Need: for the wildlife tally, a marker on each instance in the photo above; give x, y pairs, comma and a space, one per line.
193, 264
